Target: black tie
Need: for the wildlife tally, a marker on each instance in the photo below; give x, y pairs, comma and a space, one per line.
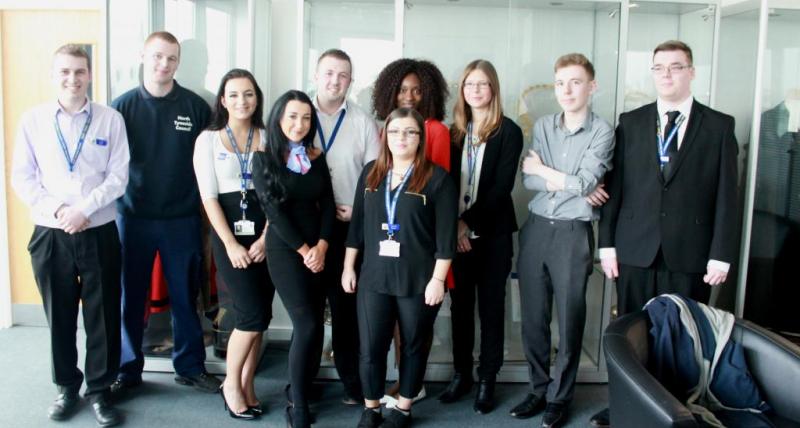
672, 149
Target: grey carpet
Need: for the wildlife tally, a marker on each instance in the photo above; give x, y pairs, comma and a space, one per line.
27, 391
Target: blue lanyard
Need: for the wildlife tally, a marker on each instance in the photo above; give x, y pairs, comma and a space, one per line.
244, 163
327, 146
663, 144
472, 155
391, 200
71, 161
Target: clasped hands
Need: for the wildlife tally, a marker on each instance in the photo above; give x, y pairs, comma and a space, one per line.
71, 220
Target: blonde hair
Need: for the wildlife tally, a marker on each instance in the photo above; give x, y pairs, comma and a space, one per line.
462, 112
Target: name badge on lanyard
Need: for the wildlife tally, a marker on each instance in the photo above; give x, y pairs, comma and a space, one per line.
73, 160
326, 146
243, 227
389, 247
472, 164
663, 143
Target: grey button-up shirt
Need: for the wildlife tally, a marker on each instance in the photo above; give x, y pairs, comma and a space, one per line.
584, 155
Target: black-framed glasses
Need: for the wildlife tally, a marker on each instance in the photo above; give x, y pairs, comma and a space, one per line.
403, 133
672, 68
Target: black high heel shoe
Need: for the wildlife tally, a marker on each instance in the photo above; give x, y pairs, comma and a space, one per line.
256, 410
247, 414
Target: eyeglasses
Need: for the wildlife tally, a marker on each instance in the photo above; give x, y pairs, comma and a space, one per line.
405, 133
673, 68
480, 85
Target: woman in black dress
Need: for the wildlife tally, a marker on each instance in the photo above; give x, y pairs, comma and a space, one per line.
294, 188
404, 222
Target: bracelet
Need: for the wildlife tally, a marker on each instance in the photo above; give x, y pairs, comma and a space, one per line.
440, 280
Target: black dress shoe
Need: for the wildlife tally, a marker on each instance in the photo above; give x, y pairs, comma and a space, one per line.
245, 414
202, 382
370, 418
458, 387
601, 419
528, 407
257, 410
484, 399
555, 415
63, 407
122, 385
104, 414
296, 418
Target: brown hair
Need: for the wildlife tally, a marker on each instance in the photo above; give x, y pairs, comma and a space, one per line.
575, 59
462, 112
675, 45
335, 53
78, 51
423, 168
165, 36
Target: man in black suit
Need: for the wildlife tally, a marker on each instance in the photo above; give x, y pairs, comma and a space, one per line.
670, 224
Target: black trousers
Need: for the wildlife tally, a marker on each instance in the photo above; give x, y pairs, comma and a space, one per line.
636, 285
302, 296
344, 328
484, 270
377, 315
69, 269
555, 260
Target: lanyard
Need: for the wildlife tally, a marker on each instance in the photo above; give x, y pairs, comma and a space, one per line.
391, 200
71, 161
244, 163
472, 155
327, 146
663, 144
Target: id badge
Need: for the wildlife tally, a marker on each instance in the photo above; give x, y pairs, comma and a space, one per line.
664, 159
244, 228
389, 248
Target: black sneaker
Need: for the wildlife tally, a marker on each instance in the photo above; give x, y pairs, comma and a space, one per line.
202, 382
370, 418
396, 419
555, 415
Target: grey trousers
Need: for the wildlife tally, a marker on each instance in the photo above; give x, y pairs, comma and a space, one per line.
555, 260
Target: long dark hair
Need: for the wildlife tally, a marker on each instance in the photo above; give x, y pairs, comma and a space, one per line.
423, 168
219, 117
278, 145
432, 84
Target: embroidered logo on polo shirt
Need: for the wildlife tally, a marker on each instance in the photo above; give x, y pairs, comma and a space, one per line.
183, 123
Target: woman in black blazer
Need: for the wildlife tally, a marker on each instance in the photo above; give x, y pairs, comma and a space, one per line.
484, 165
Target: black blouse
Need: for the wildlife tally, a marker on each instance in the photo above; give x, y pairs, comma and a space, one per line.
307, 215
427, 232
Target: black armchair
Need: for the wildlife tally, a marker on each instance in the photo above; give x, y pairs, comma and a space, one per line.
638, 400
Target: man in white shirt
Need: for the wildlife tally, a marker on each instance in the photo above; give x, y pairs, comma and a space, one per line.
70, 165
349, 138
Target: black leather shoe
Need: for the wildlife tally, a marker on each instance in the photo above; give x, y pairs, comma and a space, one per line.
257, 410
555, 415
600, 419
104, 414
396, 419
202, 382
370, 418
528, 407
120, 386
245, 414
484, 400
458, 387
63, 407
296, 418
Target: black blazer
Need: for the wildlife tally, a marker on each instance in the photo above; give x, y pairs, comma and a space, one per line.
691, 214
493, 211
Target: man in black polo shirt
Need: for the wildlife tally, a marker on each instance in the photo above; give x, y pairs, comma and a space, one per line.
160, 212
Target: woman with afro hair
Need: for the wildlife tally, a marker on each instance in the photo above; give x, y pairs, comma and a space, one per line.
419, 85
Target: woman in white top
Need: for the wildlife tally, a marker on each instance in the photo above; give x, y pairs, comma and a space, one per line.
222, 163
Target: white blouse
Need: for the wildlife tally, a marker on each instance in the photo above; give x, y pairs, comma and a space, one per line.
217, 168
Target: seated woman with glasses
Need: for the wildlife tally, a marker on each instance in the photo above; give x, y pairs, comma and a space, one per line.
404, 222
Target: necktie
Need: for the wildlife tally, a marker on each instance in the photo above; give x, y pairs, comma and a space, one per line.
672, 149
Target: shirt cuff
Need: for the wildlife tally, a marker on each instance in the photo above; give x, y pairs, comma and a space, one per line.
718, 265
608, 253
572, 183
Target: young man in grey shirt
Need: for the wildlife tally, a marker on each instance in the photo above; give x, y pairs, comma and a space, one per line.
571, 152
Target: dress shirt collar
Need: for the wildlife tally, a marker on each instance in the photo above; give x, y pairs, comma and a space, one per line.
685, 107
340, 108
57, 107
558, 123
